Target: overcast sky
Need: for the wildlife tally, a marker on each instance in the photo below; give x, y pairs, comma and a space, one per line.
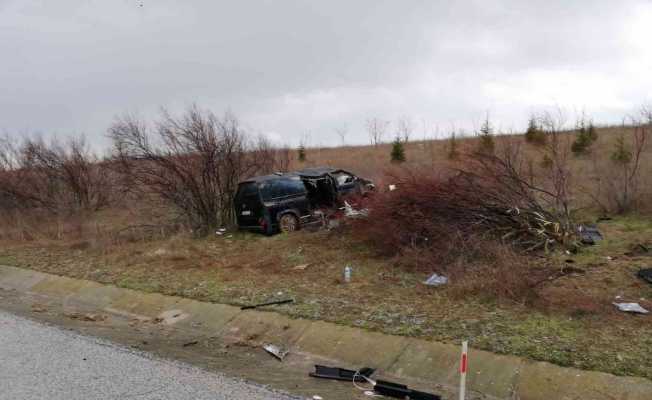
287, 68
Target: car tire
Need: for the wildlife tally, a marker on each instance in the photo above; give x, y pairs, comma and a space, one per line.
288, 223
269, 228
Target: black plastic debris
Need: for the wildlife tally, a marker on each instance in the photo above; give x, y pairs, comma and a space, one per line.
399, 391
271, 303
646, 274
589, 234
341, 374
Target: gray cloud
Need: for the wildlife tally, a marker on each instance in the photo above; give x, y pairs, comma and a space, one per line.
291, 67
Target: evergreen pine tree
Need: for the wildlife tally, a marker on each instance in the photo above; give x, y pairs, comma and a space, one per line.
486, 144
621, 153
534, 134
301, 153
585, 137
398, 151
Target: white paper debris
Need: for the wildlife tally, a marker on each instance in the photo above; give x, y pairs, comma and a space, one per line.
275, 351
349, 211
436, 280
631, 307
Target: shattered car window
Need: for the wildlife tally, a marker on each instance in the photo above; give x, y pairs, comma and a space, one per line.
343, 179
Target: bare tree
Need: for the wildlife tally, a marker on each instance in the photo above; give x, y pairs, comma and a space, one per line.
376, 129
57, 177
404, 128
282, 159
558, 174
193, 162
341, 132
626, 157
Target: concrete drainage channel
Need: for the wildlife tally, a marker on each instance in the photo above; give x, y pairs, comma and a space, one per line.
420, 364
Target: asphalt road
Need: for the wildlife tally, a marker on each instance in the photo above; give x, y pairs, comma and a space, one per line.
44, 362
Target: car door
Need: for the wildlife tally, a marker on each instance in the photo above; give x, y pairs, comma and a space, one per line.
287, 194
248, 205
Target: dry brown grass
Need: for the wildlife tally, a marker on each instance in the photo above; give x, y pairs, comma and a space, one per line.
571, 315
570, 321
590, 172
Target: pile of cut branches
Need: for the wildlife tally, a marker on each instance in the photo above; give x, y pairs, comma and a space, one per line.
488, 199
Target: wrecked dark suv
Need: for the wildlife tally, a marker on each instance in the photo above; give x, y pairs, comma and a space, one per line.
286, 201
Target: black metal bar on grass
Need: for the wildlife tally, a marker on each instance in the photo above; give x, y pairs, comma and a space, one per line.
271, 303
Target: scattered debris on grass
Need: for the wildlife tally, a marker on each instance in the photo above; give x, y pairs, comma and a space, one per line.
646, 274
436, 280
631, 308
399, 391
276, 351
351, 212
342, 374
301, 267
270, 303
348, 270
589, 234
192, 343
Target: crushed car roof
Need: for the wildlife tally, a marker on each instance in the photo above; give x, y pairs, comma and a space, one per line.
314, 172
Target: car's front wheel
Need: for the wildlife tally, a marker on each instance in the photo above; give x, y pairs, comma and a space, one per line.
288, 223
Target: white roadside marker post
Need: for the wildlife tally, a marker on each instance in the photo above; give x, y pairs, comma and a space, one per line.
464, 363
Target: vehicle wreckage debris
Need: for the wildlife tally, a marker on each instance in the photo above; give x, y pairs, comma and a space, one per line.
399, 391
383, 388
631, 308
341, 374
348, 270
589, 234
646, 274
436, 280
271, 303
351, 212
276, 351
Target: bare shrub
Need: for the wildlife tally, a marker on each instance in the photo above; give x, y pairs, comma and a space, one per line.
557, 178
442, 216
617, 184
626, 157
282, 159
62, 178
376, 128
404, 128
193, 162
